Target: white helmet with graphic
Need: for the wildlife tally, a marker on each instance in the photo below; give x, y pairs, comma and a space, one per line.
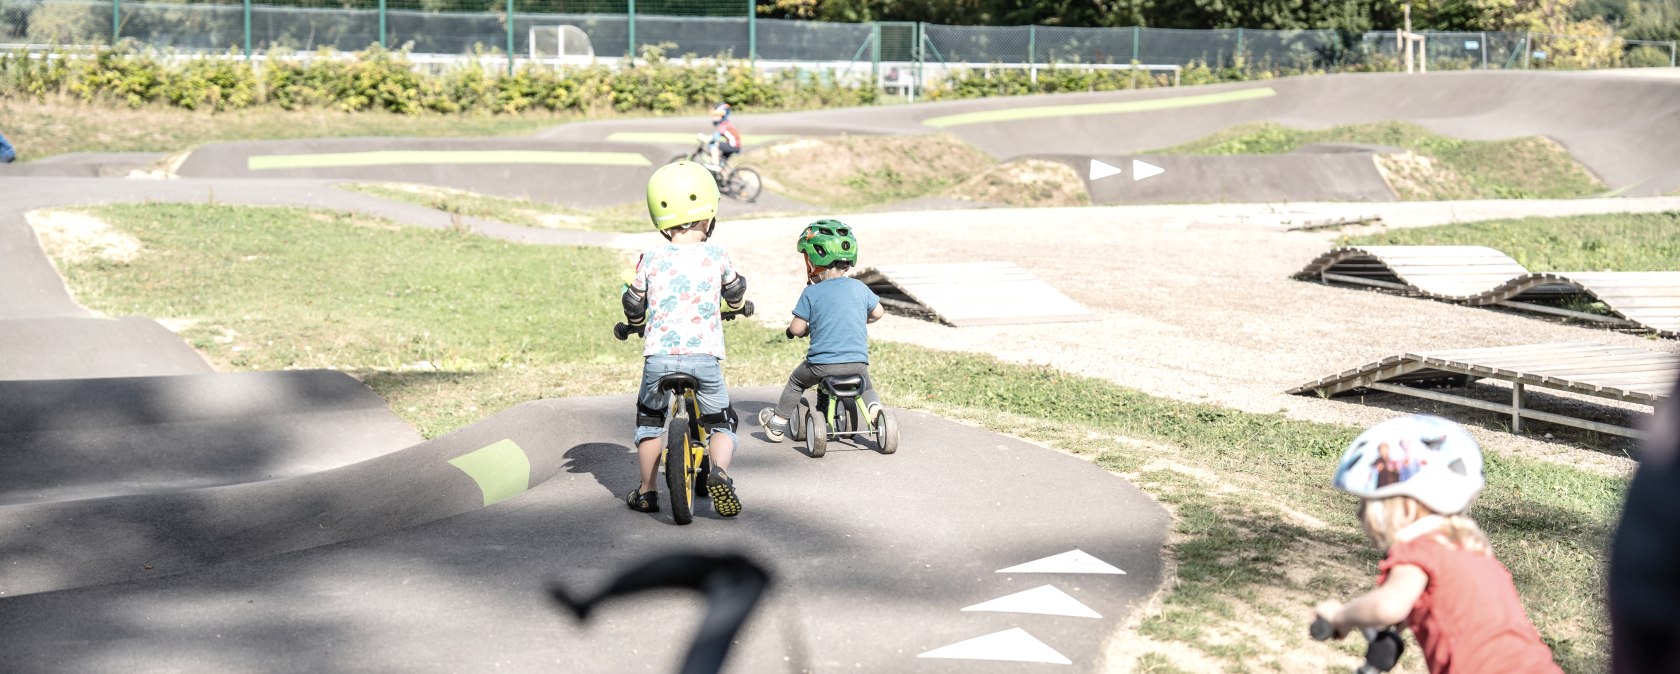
1425, 457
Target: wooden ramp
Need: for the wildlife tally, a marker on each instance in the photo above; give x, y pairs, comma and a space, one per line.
966, 294
1480, 276
1613, 372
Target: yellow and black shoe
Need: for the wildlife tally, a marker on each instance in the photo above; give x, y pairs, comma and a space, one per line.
642, 501
722, 489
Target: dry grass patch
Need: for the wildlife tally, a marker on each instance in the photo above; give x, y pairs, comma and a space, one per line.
849, 171
73, 237
1026, 183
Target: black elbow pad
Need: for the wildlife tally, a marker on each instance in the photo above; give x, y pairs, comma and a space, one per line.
635, 306
735, 291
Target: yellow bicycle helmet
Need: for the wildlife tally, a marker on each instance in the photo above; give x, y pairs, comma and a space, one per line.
680, 193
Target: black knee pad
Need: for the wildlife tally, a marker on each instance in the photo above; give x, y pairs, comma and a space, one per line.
648, 416
727, 419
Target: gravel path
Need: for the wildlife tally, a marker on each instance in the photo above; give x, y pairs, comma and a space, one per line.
1194, 305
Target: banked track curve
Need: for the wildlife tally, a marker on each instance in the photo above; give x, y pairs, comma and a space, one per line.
1482, 276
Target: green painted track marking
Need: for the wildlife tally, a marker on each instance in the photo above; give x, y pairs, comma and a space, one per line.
1016, 114
501, 470
394, 157
677, 138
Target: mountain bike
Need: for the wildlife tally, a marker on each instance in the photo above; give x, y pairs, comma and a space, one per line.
1382, 651
839, 414
687, 466
736, 182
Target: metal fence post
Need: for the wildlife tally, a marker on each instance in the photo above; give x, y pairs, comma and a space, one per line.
875, 54
382, 42
630, 45
1673, 46
1528, 51
1483, 47
1137, 36
116, 21
752, 33
510, 37
1032, 51
1239, 53
247, 30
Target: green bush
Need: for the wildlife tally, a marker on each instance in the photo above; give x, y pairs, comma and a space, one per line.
380, 80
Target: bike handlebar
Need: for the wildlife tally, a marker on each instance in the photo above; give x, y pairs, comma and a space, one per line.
1382, 651
622, 331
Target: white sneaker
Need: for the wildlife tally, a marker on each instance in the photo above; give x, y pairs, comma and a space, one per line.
774, 427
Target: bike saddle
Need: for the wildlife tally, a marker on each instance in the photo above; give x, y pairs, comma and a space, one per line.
843, 387
678, 382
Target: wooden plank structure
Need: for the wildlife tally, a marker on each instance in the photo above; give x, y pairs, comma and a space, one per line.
1480, 276
1612, 372
963, 294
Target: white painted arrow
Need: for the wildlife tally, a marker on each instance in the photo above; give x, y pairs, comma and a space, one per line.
1042, 600
1072, 561
1100, 170
1142, 169
1013, 645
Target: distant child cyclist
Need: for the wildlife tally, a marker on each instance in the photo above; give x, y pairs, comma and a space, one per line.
726, 140
1417, 476
833, 310
679, 293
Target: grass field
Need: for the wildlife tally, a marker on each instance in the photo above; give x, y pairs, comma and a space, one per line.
41, 130
451, 327
1620, 242
1434, 167
628, 218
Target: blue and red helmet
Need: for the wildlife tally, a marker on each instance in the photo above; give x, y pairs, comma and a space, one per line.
721, 112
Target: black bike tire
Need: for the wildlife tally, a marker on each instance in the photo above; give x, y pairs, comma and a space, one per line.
886, 432
816, 434
680, 157
736, 186
796, 425
678, 479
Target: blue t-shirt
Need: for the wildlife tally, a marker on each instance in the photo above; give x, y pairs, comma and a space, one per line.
7, 154
838, 311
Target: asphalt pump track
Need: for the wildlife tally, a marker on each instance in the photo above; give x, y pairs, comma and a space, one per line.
160, 516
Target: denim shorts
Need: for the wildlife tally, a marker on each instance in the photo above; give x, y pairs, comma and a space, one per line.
713, 394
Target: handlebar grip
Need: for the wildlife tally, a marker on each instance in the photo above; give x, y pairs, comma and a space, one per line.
789, 333
1321, 630
1384, 650
623, 332
745, 310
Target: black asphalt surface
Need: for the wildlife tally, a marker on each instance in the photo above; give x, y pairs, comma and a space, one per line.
873, 557
1621, 128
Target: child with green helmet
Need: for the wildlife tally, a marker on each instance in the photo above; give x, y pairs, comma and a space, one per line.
833, 310
678, 296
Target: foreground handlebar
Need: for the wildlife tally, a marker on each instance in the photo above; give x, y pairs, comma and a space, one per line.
622, 331
1382, 652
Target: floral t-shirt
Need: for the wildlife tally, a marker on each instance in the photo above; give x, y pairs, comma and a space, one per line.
684, 284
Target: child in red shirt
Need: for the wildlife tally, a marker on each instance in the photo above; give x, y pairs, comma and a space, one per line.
1417, 476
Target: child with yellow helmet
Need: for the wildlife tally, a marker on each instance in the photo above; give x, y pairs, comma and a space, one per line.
678, 296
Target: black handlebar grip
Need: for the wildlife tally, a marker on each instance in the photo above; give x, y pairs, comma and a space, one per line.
621, 331
789, 333
1321, 630
747, 309
1384, 651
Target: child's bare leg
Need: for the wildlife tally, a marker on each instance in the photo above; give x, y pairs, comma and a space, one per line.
647, 457
722, 449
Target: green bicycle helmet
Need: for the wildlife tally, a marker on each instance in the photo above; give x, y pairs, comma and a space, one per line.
680, 193
825, 242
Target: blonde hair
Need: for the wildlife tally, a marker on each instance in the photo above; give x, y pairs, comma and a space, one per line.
1385, 517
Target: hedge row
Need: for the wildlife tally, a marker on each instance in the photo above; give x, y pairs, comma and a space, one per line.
377, 79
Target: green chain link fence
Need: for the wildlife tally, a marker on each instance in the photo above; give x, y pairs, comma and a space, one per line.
896, 53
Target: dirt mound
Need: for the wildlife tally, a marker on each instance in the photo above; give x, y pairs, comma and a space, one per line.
850, 171
1025, 183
